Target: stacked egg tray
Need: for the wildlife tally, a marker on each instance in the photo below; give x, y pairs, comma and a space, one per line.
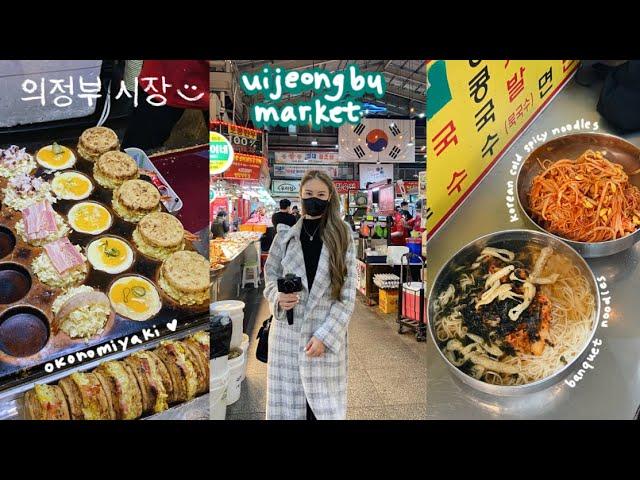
27, 340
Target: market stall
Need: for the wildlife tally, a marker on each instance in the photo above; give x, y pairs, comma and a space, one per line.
599, 378
84, 281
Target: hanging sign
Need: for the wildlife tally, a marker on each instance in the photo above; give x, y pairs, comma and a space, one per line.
317, 158
298, 171
285, 187
220, 153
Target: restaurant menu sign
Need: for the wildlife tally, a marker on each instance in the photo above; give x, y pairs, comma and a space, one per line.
244, 167
285, 187
475, 110
298, 171
317, 158
243, 139
343, 186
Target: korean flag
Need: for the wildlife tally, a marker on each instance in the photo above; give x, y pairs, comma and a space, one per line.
378, 140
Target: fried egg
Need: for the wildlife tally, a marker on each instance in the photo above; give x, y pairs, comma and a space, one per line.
89, 217
71, 186
55, 157
110, 254
135, 298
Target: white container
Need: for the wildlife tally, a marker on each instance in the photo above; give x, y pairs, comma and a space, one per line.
245, 347
219, 365
235, 310
13, 73
236, 366
218, 395
394, 254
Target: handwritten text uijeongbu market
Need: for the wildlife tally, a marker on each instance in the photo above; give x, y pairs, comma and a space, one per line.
334, 99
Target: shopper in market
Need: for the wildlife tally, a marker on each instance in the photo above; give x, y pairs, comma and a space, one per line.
220, 226
284, 215
399, 229
415, 223
404, 210
295, 212
307, 367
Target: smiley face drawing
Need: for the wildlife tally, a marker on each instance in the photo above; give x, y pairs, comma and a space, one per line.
191, 89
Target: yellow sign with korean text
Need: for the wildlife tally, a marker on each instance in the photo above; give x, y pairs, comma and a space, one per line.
475, 110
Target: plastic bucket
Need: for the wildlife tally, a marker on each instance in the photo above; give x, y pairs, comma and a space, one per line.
245, 347
218, 395
415, 245
236, 366
219, 365
235, 310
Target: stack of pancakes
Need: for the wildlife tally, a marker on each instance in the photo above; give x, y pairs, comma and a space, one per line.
96, 141
158, 235
113, 168
184, 276
134, 199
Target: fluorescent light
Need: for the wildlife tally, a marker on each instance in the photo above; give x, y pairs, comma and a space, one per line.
314, 142
410, 144
421, 114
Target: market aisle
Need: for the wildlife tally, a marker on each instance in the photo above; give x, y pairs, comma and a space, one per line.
387, 371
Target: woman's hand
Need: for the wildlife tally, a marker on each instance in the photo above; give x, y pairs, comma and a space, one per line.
315, 348
288, 300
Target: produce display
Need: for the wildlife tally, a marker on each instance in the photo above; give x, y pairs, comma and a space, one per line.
88, 255
143, 383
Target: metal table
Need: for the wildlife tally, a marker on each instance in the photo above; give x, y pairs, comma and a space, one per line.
611, 390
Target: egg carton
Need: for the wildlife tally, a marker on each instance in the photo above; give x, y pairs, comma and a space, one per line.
27, 340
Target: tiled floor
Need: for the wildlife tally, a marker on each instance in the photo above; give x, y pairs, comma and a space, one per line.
387, 371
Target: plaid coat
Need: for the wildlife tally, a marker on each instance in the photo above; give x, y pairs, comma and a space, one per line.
293, 377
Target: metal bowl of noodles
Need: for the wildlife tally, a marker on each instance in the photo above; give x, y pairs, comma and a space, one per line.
514, 240
572, 146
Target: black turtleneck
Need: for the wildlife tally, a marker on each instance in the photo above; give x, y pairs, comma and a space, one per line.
311, 249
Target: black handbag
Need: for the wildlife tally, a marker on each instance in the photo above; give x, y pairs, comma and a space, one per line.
262, 350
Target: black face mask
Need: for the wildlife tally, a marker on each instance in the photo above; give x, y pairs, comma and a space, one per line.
314, 206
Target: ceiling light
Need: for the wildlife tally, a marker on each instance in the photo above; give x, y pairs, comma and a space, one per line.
421, 114
410, 144
314, 142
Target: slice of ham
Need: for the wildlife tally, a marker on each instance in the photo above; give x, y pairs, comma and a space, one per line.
63, 255
39, 220
81, 299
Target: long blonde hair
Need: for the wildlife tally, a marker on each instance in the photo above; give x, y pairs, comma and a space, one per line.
335, 234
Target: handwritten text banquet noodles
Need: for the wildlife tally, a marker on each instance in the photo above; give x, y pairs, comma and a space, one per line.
514, 316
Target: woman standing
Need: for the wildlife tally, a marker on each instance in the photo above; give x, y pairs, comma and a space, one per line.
307, 367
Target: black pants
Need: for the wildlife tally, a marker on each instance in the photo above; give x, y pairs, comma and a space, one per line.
310, 415
149, 126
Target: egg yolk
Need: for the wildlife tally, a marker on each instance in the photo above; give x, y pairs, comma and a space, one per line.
134, 293
76, 185
91, 217
47, 156
113, 252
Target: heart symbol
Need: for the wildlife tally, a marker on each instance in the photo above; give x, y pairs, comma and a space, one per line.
173, 325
